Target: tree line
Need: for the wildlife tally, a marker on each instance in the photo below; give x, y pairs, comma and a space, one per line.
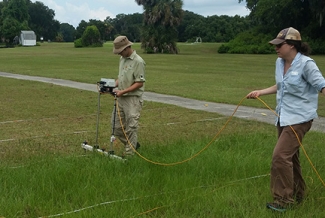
17, 15
164, 23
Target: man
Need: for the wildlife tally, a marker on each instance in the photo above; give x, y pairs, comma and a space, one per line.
130, 87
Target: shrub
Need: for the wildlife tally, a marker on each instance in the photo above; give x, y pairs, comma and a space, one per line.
78, 43
317, 46
223, 49
248, 43
91, 37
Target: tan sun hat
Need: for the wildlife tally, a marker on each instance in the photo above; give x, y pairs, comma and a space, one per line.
120, 43
286, 34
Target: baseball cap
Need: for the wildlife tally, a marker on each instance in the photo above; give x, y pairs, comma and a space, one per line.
286, 34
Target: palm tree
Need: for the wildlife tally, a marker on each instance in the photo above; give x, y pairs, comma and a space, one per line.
161, 19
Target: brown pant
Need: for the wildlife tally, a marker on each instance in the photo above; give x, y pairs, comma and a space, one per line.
287, 183
129, 108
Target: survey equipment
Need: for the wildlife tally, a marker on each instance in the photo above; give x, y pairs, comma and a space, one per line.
104, 86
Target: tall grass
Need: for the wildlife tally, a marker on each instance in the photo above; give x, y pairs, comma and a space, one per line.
44, 171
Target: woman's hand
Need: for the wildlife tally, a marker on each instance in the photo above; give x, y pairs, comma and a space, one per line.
253, 94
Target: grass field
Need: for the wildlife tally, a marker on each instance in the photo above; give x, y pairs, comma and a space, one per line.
45, 173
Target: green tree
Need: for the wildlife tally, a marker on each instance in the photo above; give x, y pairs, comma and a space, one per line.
190, 27
270, 16
161, 19
42, 21
81, 28
2, 5
11, 28
212, 28
316, 27
14, 17
318, 9
17, 9
109, 22
128, 25
68, 32
59, 38
103, 28
91, 37
120, 24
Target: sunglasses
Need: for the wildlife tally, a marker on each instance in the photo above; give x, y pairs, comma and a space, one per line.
280, 45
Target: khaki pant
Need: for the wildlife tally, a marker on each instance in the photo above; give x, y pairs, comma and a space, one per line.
287, 183
128, 108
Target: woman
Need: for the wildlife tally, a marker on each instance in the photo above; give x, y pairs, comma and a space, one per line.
298, 82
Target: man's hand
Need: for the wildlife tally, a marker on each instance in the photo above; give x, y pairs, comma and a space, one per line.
119, 92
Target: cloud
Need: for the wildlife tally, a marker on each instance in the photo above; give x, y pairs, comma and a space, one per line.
83, 11
212, 7
73, 12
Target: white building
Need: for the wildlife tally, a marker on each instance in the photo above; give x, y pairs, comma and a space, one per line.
27, 38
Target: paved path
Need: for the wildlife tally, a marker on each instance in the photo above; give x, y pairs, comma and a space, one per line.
262, 115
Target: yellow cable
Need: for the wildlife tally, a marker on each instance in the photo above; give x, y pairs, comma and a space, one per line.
183, 161
302, 147
213, 139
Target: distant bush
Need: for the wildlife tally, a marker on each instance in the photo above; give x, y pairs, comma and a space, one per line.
248, 43
317, 46
252, 43
89, 38
78, 43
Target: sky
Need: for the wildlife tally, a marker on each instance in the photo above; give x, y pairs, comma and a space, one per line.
73, 11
